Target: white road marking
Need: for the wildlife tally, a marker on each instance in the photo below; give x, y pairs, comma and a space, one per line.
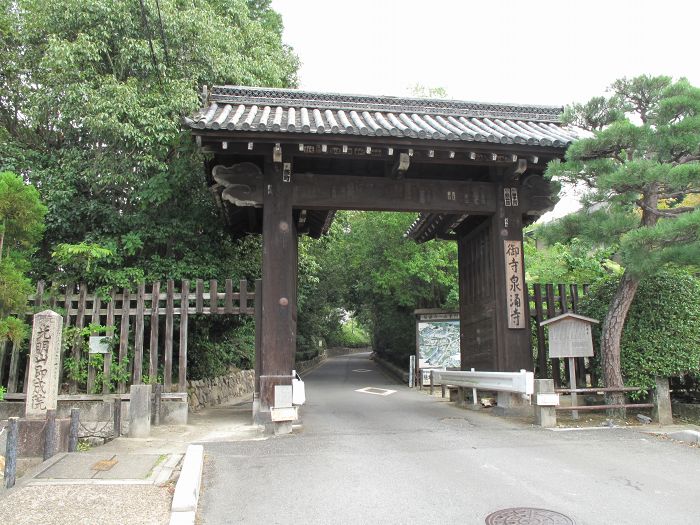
376, 391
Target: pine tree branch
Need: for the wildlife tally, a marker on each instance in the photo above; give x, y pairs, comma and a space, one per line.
668, 213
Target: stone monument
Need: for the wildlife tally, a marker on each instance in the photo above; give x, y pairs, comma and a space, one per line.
44, 363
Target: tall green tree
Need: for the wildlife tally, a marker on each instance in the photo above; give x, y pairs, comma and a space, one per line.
21, 225
92, 95
94, 121
640, 165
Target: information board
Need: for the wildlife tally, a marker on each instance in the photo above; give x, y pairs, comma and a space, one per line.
438, 343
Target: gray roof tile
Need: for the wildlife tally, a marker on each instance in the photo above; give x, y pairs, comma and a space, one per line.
292, 111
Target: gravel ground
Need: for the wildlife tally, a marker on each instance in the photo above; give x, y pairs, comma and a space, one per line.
87, 504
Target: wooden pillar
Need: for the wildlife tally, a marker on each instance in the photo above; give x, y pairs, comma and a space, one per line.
279, 285
512, 320
494, 316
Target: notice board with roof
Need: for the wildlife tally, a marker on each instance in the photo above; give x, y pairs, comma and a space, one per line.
570, 335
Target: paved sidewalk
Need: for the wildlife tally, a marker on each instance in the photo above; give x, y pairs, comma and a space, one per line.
124, 482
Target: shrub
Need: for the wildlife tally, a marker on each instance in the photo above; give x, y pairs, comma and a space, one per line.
662, 332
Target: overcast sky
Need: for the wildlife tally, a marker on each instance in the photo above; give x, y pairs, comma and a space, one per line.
537, 51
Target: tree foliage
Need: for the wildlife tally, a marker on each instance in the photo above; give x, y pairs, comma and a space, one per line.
575, 261
92, 95
21, 226
369, 267
95, 124
640, 164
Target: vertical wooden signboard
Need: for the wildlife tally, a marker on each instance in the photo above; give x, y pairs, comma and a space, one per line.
515, 285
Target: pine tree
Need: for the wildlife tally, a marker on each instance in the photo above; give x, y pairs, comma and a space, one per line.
641, 168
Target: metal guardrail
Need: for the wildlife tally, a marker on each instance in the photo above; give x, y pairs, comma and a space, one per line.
522, 382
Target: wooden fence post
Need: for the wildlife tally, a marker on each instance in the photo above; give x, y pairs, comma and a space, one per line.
228, 297
107, 365
168, 358
153, 346
213, 297
67, 304
139, 334
79, 323
94, 319
243, 296
124, 335
184, 310
541, 345
551, 312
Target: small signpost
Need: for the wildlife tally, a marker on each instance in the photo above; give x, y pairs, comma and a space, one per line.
99, 344
570, 336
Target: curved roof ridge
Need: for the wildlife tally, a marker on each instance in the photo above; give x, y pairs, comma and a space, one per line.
343, 101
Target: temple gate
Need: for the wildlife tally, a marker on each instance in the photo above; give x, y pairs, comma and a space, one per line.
283, 161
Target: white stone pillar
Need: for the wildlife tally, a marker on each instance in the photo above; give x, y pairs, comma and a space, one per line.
44, 363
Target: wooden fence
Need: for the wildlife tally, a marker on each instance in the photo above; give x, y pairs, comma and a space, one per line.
130, 316
550, 300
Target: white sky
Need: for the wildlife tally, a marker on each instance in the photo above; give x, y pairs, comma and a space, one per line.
530, 51
536, 51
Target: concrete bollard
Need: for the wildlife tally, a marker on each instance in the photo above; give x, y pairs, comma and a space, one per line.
11, 452
157, 397
662, 412
74, 426
545, 415
117, 417
50, 434
140, 411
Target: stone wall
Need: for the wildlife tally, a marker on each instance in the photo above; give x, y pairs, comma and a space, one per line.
210, 392
203, 393
342, 350
686, 410
303, 366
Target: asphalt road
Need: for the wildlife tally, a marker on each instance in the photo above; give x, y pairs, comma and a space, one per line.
411, 458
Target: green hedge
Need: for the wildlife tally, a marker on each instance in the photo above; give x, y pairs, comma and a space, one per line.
662, 332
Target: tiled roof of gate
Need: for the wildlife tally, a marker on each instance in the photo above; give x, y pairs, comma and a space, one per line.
236, 108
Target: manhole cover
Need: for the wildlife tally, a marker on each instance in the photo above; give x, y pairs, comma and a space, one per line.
527, 516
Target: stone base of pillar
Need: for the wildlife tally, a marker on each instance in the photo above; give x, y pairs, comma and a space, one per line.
279, 428
257, 416
509, 404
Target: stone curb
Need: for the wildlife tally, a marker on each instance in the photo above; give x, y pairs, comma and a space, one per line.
390, 369
689, 436
31, 474
186, 497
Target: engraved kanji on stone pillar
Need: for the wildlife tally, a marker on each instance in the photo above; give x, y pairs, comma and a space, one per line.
44, 363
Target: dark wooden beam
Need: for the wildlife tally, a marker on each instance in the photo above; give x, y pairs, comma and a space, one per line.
323, 192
